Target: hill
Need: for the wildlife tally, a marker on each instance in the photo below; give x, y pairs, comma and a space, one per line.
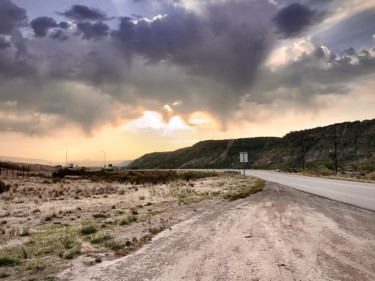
354, 143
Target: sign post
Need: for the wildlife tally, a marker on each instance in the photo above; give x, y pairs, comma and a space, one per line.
244, 158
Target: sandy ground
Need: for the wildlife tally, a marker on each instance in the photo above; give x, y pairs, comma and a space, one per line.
41, 219
277, 234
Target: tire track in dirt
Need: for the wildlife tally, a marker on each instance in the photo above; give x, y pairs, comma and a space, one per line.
278, 234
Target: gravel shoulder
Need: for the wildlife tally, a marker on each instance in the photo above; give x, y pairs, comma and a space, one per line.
277, 234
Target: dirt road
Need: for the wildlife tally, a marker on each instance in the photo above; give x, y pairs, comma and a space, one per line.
277, 234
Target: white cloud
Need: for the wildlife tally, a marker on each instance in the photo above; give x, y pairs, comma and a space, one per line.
290, 50
153, 121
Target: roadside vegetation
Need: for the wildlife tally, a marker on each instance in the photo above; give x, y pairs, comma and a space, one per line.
47, 222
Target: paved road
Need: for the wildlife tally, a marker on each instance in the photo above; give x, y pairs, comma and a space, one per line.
354, 193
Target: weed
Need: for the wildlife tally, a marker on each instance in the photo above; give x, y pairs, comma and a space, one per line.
4, 187
100, 239
25, 232
67, 242
73, 253
244, 191
89, 229
50, 217
100, 216
6, 261
114, 245
134, 212
36, 266
4, 274
156, 230
128, 220
24, 253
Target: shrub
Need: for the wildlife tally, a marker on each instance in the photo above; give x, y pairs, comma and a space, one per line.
4, 187
128, 220
114, 245
5, 261
36, 266
75, 252
67, 242
100, 239
4, 275
89, 229
50, 217
100, 216
244, 191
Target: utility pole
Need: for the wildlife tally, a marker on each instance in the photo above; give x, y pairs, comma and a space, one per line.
104, 157
66, 157
335, 143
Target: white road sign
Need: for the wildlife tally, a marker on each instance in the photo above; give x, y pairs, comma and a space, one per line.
244, 157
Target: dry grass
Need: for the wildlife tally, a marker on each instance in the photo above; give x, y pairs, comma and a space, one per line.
44, 222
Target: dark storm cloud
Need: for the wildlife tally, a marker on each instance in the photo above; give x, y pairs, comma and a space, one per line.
292, 20
89, 30
41, 25
58, 35
80, 12
4, 43
225, 45
11, 16
209, 60
64, 25
319, 73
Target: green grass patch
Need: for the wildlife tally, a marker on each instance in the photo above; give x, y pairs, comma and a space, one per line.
114, 245
88, 229
36, 266
73, 253
99, 239
49, 240
8, 261
244, 190
128, 220
189, 196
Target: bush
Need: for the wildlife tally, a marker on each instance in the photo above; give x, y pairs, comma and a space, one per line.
100, 239
75, 252
4, 187
244, 191
5, 261
89, 229
128, 220
4, 275
100, 216
114, 245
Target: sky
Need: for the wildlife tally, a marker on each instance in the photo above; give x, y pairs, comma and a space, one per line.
129, 77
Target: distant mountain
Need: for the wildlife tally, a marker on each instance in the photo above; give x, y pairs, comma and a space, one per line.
80, 163
124, 163
312, 148
24, 160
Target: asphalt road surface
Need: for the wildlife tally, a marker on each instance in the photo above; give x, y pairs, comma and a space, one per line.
354, 193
